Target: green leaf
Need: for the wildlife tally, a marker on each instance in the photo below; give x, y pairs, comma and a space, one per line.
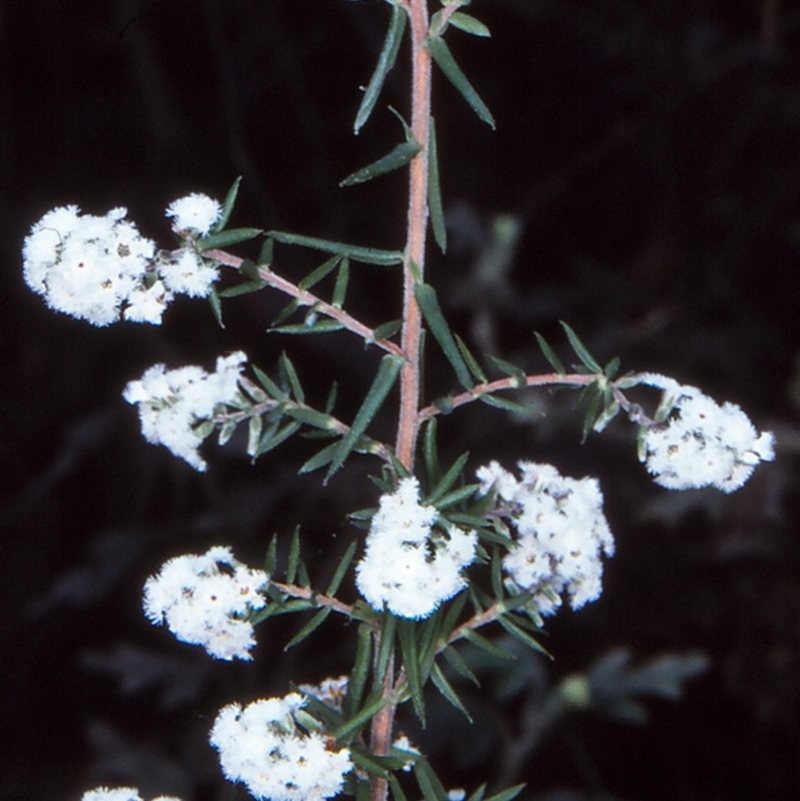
382, 258
294, 557
385, 330
309, 627
386, 60
430, 452
381, 386
289, 375
435, 191
432, 789
489, 647
341, 569
351, 728
271, 557
449, 478
315, 276
518, 633
243, 289
456, 661
274, 390
441, 54
468, 24
388, 630
592, 412
549, 354
254, 434
225, 239
457, 496
340, 287
397, 790
507, 794
227, 207
472, 362
448, 693
272, 439
503, 403
612, 368
512, 370
398, 157
407, 630
226, 432
478, 794
360, 672
319, 459
310, 417
367, 763
585, 357
216, 306
300, 329
265, 255
431, 311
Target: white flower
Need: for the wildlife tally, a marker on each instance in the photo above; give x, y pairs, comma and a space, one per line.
330, 691
408, 567
120, 794
87, 266
263, 746
196, 212
561, 533
205, 600
701, 443
173, 403
185, 272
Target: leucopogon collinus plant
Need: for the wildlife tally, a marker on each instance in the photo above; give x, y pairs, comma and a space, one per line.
443, 556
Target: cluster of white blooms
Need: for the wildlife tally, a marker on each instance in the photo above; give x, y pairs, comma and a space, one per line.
173, 404
196, 213
206, 600
263, 746
101, 269
120, 794
409, 566
700, 443
330, 691
561, 533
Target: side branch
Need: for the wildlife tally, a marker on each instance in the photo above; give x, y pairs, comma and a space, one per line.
306, 298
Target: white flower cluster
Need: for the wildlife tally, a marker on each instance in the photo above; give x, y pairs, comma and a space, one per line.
206, 600
120, 794
195, 213
330, 691
101, 269
173, 404
408, 566
701, 443
263, 746
561, 533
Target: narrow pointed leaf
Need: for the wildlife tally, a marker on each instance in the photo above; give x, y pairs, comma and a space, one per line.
398, 157
309, 627
271, 557
441, 54
549, 354
301, 329
431, 311
355, 724
320, 459
226, 432
294, 557
254, 434
489, 647
468, 24
388, 632
274, 390
457, 496
456, 661
381, 386
360, 672
429, 783
368, 764
478, 794
340, 287
242, 289
216, 306
435, 191
310, 417
286, 312
504, 403
290, 374
515, 631
386, 60
448, 693
449, 478
512, 370
430, 452
586, 358
385, 330
315, 276
612, 368
382, 258
224, 239
508, 794
265, 255
397, 790
227, 207
472, 362
341, 569
406, 630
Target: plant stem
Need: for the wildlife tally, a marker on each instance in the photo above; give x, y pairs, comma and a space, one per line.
414, 265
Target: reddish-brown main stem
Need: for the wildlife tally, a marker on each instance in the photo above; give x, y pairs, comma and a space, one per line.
408, 423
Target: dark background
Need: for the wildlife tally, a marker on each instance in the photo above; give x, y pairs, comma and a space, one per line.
649, 153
